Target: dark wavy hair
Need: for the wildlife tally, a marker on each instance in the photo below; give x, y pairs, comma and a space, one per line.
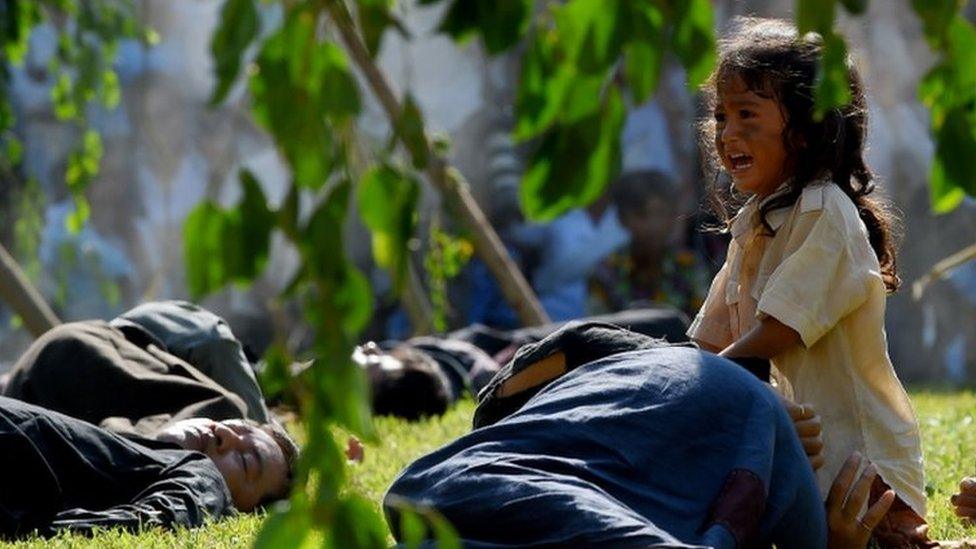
773, 60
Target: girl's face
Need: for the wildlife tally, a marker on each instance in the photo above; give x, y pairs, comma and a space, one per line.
749, 137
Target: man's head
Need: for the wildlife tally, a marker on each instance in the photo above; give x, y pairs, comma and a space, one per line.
256, 461
404, 381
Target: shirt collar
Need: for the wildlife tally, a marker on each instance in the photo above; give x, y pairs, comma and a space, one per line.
748, 216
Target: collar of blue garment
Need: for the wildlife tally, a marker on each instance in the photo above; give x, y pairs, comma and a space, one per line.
748, 216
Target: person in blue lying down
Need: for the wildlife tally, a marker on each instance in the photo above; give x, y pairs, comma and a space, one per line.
658, 446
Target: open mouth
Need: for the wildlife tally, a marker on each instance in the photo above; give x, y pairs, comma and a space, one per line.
740, 162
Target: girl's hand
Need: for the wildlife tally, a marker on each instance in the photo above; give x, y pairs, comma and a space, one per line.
806, 421
965, 501
844, 529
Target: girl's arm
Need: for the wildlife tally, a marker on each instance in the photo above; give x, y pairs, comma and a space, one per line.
770, 338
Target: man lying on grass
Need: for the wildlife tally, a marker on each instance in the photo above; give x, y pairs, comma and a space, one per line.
424, 375
154, 365
66, 474
597, 436
166, 375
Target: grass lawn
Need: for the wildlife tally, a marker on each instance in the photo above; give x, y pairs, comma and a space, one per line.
948, 436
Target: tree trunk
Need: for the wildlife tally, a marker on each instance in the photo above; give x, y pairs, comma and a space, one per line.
23, 298
448, 181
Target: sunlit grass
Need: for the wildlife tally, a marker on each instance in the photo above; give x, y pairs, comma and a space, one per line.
948, 420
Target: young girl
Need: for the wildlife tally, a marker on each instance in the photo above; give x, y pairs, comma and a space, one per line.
811, 259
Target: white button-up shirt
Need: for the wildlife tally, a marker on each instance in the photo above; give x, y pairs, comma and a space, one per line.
819, 275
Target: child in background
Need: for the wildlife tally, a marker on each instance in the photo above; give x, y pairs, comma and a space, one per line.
811, 260
653, 269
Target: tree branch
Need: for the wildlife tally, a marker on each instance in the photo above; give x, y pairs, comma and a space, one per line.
23, 298
941, 269
447, 180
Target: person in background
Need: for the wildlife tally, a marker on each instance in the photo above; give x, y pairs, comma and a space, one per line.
157, 364
653, 269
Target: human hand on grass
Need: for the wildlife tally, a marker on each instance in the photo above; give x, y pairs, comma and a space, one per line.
847, 495
965, 501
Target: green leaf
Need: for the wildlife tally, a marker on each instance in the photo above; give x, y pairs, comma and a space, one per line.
694, 39
288, 212
644, 53
815, 16
284, 528
302, 85
953, 172
331, 80
276, 374
84, 162
231, 245
419, 523
936, 16
444, 533
413, 530
111, 92
643, 68
374, 19
346, 388
832, 88
355, 303
944, 196
75, 221
202, 233
14, 152
256, 221
18, 18
238, 27
323, 232
357, 524
590, 34
582, 99
387, 204
543, 87
574, 164
500, 23
856, 7
62, 98
410, 128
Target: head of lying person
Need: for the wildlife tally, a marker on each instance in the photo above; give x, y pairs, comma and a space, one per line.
256, 460
404, 382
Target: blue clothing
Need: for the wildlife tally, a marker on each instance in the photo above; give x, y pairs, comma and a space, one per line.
566, 251
662, 447
569, 248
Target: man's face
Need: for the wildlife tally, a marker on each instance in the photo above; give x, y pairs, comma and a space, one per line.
749, 137
251, 462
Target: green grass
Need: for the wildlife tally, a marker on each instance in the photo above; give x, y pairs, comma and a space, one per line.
947, 418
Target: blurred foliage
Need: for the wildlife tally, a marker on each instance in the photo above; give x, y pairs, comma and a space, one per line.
949, 92
446, 257
81, 72
581, 56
